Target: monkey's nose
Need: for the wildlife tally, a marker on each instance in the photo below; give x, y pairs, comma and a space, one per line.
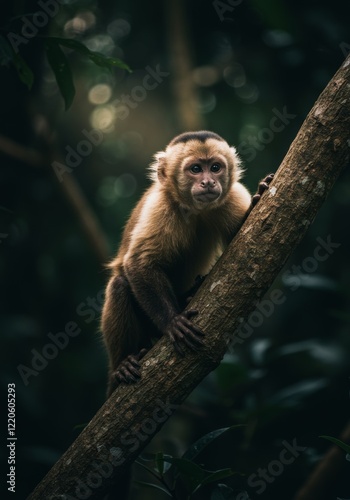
208, 183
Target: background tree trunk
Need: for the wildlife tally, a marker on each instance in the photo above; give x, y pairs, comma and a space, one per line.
132, 415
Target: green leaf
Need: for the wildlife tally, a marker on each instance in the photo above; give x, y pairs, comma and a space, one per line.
24, 72
161, 465
155, 486
7, 55
215, 476
336, 441
95, 57
194, 476
196, 448
191, 473
223, 492
147, 457
219, 474
151, 471
62, 71
159, 461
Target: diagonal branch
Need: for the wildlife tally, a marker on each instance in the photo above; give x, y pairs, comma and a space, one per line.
132, 415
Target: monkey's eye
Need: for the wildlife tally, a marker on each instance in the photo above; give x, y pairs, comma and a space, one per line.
216, 167
195, 169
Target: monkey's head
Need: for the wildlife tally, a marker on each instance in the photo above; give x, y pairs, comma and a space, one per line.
197, 169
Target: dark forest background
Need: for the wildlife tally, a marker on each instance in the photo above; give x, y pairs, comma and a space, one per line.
69, 179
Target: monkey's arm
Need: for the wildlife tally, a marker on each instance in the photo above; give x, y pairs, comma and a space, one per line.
154, 293
156, 296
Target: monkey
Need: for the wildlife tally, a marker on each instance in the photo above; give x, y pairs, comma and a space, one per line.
177, 231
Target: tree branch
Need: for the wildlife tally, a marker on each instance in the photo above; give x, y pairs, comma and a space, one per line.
132, 415
69, 187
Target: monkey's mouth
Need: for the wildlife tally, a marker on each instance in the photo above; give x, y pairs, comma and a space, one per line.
207, 196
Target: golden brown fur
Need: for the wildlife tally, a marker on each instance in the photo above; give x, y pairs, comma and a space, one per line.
177, 231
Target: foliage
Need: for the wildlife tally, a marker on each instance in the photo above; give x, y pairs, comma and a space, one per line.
339, 443
170, 471
58, 62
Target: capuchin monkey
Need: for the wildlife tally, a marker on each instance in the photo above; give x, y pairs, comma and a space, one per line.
176, 233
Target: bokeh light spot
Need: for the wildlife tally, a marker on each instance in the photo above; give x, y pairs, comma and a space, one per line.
100, 93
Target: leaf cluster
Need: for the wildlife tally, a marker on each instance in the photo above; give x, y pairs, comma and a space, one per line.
59, 63
185, 473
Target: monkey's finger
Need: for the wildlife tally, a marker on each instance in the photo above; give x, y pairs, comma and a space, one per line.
191, 336
192, 327
131, 360
130, 378
127, 374
175, 341
190, 344
142, 353
186, 317
120, 377
132, 370
255, 199
263, 186
178, 347
188, 337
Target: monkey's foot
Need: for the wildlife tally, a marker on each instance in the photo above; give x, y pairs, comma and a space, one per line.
181, 330
262, 187
128, 371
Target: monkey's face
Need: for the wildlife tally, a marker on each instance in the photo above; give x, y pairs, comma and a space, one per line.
206, 179
197, 173
207, 173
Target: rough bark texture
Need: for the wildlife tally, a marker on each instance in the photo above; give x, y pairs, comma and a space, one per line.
132, 415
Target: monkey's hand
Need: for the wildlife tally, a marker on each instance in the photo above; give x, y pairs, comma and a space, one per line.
181, 330
262, 187
129, 369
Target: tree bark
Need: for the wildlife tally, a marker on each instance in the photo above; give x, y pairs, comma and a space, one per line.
133, 414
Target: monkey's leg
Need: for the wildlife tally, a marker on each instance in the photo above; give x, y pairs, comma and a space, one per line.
126, 333
262, 187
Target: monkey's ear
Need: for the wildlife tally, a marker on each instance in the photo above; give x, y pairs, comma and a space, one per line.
157, 168
239, 170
